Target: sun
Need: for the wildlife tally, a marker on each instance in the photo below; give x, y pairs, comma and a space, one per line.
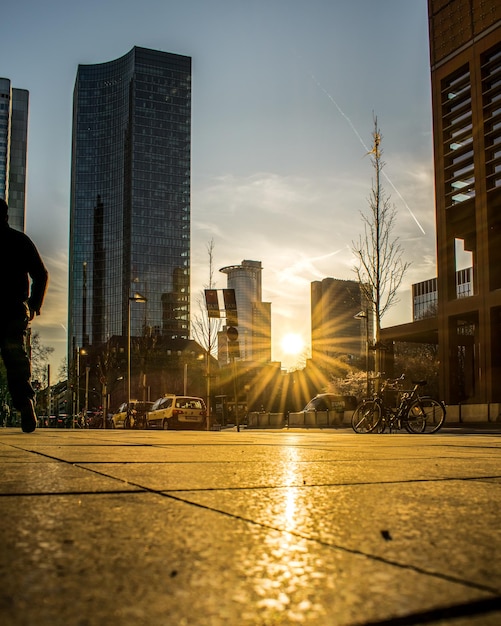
292, 343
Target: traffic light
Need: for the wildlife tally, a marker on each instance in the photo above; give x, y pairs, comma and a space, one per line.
233, 345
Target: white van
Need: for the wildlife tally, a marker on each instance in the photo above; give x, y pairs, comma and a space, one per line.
177, 413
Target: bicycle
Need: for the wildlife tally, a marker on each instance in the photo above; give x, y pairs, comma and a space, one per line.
418, 414
130, 418
136, 419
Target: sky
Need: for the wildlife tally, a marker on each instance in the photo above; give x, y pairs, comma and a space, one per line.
284, 98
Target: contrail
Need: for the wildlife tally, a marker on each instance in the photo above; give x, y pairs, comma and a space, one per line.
366, 148
313, 77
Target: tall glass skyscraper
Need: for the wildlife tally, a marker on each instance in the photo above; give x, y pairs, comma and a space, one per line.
13, 150
130, 198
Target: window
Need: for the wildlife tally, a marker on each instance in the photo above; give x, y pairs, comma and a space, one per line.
457, 137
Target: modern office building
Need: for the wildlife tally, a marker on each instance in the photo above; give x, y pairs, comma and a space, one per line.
130, 199
465, 52
14, 107
341, 321
465, 57
254, 315
425, 294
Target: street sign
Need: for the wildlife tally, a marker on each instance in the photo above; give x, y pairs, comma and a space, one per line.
212, 302
230, 305
232, 333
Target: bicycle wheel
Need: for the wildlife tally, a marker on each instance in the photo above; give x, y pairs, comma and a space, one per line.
366, 417
425, 415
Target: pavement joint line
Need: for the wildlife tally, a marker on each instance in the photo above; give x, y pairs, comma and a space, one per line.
72, 464
46, 494
459, 610
231, 461
85, 466
347, 484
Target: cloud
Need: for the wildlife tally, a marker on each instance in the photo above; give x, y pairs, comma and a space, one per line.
51, 324
287, 220
302, 229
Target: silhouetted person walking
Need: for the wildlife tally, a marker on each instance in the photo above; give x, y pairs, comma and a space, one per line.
19, 262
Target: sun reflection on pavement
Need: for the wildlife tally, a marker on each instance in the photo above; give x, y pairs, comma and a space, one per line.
286, 573
283, 577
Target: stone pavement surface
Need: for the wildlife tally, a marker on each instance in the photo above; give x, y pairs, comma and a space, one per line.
249, 528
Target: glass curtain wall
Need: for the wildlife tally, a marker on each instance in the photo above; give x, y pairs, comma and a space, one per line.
130, 198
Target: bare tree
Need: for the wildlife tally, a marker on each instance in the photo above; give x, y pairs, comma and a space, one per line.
205, 329
380, 268
39, 358
62, 372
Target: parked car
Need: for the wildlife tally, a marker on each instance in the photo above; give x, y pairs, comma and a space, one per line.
43, 421
325, 409
331, 402
135, 418
177, 413
60, 421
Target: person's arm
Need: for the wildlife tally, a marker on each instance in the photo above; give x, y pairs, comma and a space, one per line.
39, 277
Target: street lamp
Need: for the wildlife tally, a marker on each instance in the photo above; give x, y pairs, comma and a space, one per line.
87, 371
136, 297
76, 394
364, 315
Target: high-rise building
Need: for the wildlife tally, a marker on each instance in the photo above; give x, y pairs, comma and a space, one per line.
14, 105
465, 52
254, 316
465, 56
130, 199
341, 320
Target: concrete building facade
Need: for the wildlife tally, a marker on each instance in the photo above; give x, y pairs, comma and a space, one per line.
337, 328
254, 315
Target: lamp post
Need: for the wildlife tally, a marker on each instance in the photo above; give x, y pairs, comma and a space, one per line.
364, 315
87, 371
76, 407
76, 374
208, 388
136, 297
